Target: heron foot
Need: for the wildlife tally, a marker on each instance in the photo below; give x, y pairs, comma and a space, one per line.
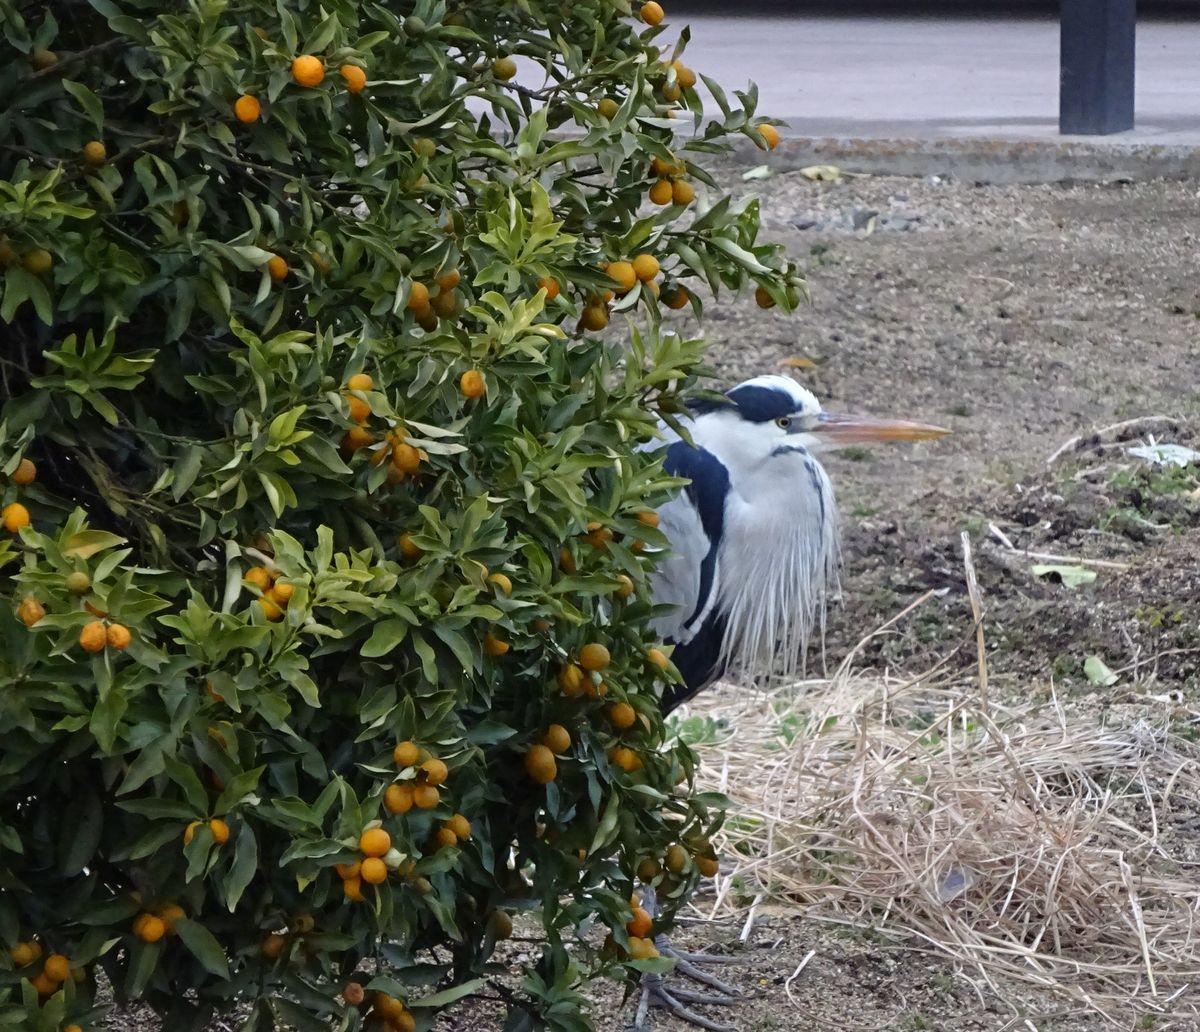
679, 1002
675, 1002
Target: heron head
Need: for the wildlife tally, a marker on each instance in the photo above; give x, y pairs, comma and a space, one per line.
772, 417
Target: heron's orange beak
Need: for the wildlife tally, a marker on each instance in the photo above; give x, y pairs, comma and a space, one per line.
838, 430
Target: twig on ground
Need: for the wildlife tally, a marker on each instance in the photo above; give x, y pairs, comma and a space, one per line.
787, 986
1052, 557
977, 614
1082, 440
748, 927
1132, 667
1000, 536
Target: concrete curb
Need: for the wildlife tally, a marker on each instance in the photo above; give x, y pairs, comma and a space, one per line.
986, 160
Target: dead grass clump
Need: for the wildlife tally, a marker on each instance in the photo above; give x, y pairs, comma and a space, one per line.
1028, 841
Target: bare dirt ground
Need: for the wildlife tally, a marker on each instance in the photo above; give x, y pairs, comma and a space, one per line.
1020, 317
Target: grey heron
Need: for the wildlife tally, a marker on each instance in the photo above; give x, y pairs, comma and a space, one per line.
754, 557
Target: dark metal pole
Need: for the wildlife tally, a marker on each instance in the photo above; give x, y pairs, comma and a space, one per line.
1096, 66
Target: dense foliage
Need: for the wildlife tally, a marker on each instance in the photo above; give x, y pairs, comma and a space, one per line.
324, 626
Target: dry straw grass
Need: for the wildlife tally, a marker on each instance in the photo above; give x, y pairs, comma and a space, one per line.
1023, 840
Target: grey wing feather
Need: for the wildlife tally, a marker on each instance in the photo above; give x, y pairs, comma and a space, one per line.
676, 581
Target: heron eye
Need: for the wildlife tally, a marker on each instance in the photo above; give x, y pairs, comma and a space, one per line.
783, 422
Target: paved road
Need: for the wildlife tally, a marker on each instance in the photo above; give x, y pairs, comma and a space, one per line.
935, 78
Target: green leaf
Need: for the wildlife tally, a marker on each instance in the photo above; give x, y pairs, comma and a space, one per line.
245, 864
607, 827
292, 1015
739, 254
271, 484
144, 958
79, 833
1097, 672
322, 36
87, 543
88, 101
151, 842
236, 790
457, 643
428, 658
106, 718
149, 763
159, 808
21, 286
386, 636
310, 849
10, 840
203, 946
718, 94
187, 468
822, 173
325, 454
451, 995
490, 732
185, 776
1069, 576
110, 912
16, 292
198, 852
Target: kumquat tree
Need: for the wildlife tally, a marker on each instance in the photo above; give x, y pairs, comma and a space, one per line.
333, 338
